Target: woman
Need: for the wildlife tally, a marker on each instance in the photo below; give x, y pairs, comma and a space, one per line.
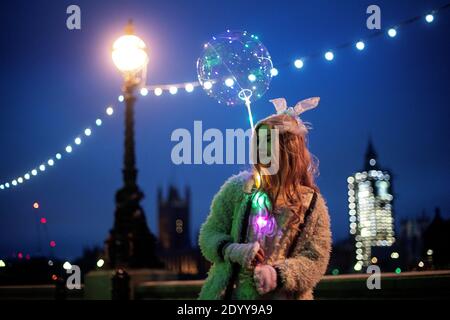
268, 233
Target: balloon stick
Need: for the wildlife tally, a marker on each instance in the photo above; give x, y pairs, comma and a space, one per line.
249, 110
245, 95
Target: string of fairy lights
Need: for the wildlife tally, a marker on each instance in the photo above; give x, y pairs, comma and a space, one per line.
52, 160
298, 63
189, 87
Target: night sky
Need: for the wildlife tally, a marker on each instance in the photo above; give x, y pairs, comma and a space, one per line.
55, 82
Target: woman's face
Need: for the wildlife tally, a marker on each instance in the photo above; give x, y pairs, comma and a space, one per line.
264, 143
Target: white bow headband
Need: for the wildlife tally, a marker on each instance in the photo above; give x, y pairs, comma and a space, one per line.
302, 106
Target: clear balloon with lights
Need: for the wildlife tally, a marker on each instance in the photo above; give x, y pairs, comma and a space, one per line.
235, 68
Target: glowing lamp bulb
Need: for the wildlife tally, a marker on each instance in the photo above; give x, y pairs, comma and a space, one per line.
298, 63
229, 82
129, 54
392, 32
189, 87
360, 45
207, 85
173, 90
329, 55
109, 111
144, 92
158, 92
252, 77
100, 263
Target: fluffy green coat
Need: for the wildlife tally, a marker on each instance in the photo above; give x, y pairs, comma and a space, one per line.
299, 273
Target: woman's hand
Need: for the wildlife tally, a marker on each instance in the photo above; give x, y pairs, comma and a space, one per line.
259, 258
242, 253
265, 277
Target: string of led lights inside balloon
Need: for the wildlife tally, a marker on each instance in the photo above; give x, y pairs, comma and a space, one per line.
51, 161
329, 55
158, 90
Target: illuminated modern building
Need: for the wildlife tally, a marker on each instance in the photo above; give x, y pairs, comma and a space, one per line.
370, 210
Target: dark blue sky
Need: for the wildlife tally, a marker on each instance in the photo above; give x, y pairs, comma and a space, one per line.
54, 82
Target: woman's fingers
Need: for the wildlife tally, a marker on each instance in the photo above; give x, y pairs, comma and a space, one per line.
259, 280
261, 253
273, 283
261, 250
259, 257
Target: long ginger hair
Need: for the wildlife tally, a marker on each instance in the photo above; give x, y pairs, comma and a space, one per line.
296, 165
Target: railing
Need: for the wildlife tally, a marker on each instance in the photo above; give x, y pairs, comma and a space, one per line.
407, 285
38, 292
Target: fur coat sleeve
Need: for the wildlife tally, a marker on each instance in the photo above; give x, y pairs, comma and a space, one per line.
305, 268
216, 230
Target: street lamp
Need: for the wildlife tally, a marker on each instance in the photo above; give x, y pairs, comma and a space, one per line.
130, 242
129, 54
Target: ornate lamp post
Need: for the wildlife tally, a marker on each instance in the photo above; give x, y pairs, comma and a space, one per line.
130, 243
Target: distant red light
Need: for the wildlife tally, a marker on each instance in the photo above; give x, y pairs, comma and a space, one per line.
54, 277
20, 255
27, 257
52, 244
36, 205
43, 220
